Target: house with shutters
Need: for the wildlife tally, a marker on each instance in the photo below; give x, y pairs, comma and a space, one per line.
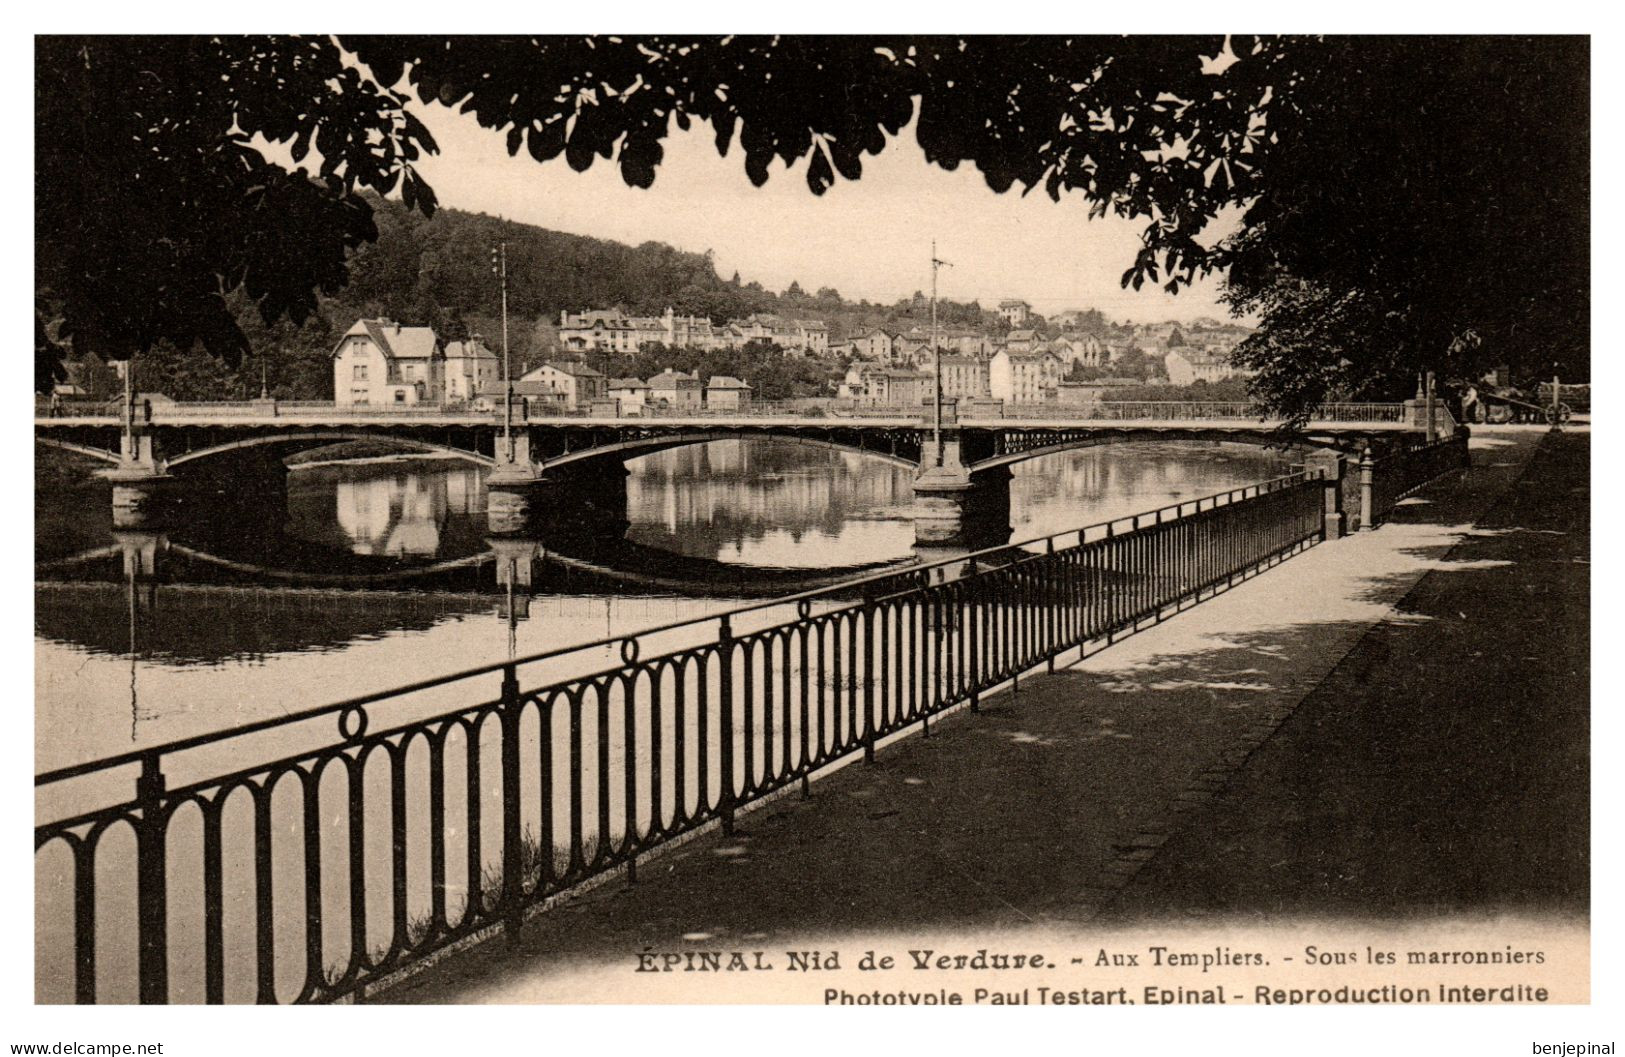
876, 346
725, 393
631, 395
1023, 377
379, 363
676, 390
472, 371
577, 384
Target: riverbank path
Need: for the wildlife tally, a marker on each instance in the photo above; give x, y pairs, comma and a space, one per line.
1394, 725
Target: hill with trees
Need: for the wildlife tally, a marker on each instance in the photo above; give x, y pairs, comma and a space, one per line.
436, 271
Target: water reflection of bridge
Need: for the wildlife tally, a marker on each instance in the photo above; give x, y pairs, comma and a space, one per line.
151, 595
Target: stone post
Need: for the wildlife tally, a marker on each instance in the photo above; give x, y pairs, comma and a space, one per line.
1433, 429
1328, 465
1368, 468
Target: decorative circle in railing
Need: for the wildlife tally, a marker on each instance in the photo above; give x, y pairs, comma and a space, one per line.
355, 716
803, 609
629, 651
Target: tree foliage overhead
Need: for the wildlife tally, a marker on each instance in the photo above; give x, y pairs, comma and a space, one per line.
153, 202
1405, 203
1425, 205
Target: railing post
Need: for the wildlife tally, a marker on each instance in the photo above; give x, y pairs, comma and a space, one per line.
868, 680
152, 910
972, 613
725, 652
1367, 470
513, 914
1049, 609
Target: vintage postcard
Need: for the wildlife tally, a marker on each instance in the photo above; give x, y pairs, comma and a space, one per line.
894, 520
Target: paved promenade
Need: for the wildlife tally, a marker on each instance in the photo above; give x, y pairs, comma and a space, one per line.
1394, 724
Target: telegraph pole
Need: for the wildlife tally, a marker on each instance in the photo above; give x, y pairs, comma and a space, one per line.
499, 268
936, 358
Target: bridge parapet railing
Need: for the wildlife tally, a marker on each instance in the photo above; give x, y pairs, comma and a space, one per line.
374, 831
1360, 413
1162, 411
1402, 471
1193, 410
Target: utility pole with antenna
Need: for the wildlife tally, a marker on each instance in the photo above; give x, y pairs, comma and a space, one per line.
499, 268
936, 359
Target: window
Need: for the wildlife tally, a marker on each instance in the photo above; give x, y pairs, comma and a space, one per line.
358, 373
400, 396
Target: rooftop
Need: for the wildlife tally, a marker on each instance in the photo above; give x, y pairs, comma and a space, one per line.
473, 350
669, 379
573, 368
395, 341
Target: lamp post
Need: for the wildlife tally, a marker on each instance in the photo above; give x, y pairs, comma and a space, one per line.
936, 359
499, 268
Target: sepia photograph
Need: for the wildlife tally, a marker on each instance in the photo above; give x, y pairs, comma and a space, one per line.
812, 519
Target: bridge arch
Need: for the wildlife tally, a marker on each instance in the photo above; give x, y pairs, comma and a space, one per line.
101, 454
321, 438
1098, 438
637, 447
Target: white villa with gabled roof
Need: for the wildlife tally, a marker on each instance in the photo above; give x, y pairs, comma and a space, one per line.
379, 363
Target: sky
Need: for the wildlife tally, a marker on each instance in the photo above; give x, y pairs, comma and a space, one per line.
868, 239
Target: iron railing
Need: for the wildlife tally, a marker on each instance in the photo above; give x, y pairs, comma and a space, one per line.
343, 858
1184, 411
1399, 473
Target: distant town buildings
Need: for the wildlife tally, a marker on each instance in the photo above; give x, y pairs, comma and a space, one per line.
1015, 312
566, 385
725, 393
1081, 350
472, 371
1186, 365
609, 330
381, 363
1021, 340
877, 385
876, 346
965, 377
631, 395
1023, 377
677, 391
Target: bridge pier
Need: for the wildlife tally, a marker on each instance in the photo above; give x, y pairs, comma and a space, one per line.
585, 499
142, 485
954, 508
514, 488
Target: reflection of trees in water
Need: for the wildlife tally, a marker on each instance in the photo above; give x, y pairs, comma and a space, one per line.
188, 624
1074, 488
222, 592
706, 497
165, 602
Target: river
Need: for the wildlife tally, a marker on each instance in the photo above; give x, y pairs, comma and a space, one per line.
381, 572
